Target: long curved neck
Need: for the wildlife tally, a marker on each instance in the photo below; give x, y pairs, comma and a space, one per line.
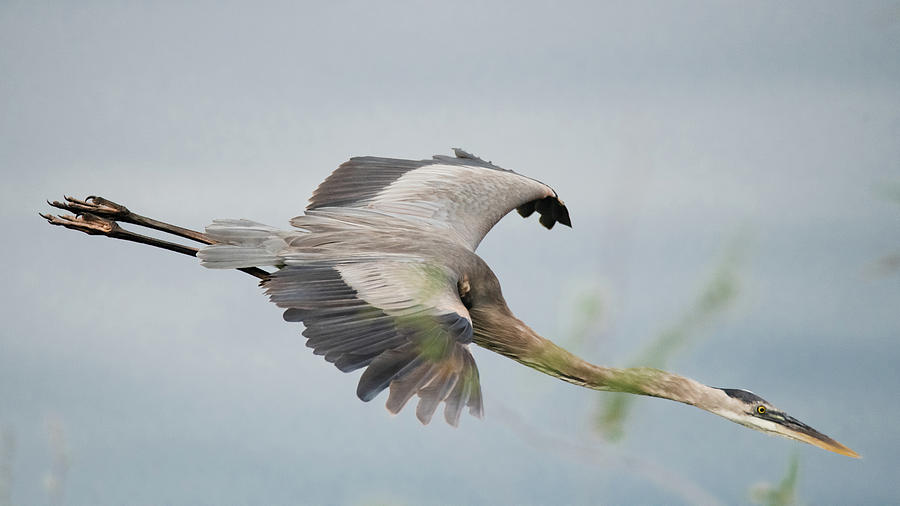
505, 334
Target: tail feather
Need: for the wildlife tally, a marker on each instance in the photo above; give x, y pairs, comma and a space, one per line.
240, 232
243, 243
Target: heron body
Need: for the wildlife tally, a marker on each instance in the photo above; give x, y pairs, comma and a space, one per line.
381, 270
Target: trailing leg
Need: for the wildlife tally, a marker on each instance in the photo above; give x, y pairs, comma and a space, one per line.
98, 216
99, 206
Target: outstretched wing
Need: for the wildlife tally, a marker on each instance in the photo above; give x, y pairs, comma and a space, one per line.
402, 320
464, 196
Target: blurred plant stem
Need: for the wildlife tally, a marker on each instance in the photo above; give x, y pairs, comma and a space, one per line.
55, 479
714, 298
785, 494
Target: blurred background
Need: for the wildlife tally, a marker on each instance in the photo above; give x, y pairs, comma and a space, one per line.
731, 170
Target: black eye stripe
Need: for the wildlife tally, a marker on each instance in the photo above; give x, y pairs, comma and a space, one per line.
743, 395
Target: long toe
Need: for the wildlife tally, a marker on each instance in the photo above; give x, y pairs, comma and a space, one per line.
98, 206
86, 222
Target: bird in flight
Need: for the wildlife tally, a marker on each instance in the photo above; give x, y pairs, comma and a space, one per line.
382, 272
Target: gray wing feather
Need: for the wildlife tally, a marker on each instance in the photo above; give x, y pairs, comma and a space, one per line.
432, 395
388, 366
418, 349
466, 393
345, 329
403, 389
463, 194
359, 179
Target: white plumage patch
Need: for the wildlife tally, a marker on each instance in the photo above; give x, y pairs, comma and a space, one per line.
466, 200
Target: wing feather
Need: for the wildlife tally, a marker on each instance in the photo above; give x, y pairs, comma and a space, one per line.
401, 320
464, 196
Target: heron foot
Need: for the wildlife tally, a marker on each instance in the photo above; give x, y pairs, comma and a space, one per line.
84, 222
92, 224
103, 208
98, 216
98, 206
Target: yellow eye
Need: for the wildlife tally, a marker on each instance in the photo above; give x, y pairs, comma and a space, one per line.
761, 410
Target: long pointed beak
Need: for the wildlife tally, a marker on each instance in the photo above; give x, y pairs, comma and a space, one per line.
795, 429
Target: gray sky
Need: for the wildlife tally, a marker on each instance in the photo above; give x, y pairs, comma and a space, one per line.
668, 128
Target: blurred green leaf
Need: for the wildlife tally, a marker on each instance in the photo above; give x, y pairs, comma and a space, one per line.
586, 313
784, 494
714, 298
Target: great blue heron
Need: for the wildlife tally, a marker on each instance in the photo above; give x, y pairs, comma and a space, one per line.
382, 271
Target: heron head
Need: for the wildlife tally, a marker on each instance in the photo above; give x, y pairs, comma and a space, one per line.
751, 410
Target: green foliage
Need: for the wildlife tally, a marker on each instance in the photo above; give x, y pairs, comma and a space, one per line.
587, 312
784, 494
716, 296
